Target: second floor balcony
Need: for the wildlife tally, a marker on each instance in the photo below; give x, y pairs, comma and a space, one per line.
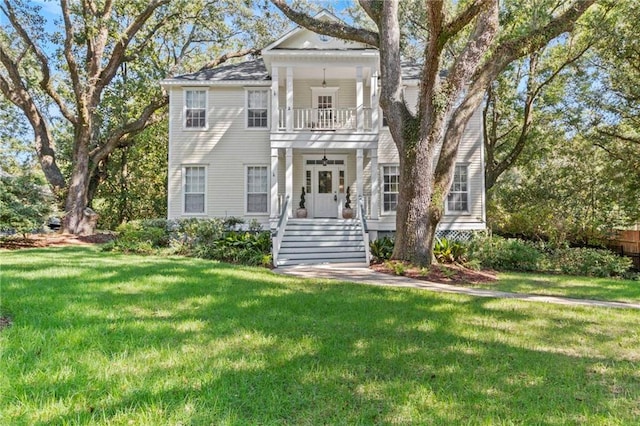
326, 119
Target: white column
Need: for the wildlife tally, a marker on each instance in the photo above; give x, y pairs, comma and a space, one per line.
359, 99
375, 184
359, 174
289, 99
275, 103
274, 183
374, 100
289, 179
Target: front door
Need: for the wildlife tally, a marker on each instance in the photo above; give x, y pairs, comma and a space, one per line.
328, 190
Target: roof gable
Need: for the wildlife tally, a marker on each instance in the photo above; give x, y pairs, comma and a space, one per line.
303, 39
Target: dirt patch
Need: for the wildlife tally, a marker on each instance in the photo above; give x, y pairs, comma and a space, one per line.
53, 240
445, 274
4, 322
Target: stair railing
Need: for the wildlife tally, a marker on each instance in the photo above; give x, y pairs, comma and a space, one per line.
276, 236
365, 229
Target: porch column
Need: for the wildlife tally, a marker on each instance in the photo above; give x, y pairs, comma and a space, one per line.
374, 100
359, 99
359, 174
274, 184
289, 180
375, 184
289, 99
275, 102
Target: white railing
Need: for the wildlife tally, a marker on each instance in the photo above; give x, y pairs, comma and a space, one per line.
325, 119
365, 229
276, 236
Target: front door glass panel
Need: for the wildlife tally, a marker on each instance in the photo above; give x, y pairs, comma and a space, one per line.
325, 182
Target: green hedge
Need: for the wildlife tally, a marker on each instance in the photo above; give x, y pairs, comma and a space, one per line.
217, 239
518, 255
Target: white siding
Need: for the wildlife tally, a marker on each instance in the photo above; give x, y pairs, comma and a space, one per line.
225, 148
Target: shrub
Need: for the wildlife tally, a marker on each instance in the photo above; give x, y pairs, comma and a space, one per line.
449, 251
381, 249
502, 254
141, 236
590, 262
398, 267
24, 204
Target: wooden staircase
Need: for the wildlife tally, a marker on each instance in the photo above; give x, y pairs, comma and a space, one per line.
313, 241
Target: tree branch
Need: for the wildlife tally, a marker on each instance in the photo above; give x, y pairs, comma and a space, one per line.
224, 58
512, 49
334, 29
453, 27
43, 61
128, 130
115, 59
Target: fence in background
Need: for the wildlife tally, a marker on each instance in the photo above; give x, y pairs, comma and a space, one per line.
627, 243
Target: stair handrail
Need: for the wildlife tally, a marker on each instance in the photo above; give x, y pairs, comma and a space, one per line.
365, 229
276, 236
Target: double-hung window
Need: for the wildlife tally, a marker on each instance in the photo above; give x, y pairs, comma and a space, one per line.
390, 188
257, 109
458, 198
195, 109
194, 178
257, 189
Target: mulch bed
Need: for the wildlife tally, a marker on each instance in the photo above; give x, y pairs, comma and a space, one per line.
53, 240
445, 274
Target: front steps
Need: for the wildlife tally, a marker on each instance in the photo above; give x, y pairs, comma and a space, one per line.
313, 241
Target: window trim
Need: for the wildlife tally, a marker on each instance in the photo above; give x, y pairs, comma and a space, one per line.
246, 190
184, 193
246, 107
184, 109
468, 192
384, 212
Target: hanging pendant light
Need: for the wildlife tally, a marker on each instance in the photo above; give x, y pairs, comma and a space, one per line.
324, 158
324, 77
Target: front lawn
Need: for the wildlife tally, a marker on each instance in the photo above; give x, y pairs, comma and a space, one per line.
611, 289
103, 338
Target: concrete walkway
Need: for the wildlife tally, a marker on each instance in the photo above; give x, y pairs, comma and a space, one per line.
360, 273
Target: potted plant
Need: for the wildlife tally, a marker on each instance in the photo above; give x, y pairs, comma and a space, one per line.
347, 211
301, 212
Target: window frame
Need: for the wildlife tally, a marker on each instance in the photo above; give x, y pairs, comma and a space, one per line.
247, 193
247, 90
185, 109
184, 190
383, 210
467, 192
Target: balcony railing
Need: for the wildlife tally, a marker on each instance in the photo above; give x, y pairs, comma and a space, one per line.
326, 119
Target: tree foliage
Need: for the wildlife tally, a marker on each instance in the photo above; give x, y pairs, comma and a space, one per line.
91, 88
577, 174
24, 203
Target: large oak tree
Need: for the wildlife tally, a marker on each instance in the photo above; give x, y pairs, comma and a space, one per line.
470, 41
90, 88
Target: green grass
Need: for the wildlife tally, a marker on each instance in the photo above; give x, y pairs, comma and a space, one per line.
608, 289
102, 338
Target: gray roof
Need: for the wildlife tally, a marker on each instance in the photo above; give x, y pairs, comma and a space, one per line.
248, 70
255, 70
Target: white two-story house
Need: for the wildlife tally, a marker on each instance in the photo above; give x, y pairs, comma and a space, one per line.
245, 139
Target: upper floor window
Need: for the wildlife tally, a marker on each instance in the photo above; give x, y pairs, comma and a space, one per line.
257, 108
257, 189
195, 109
458, 198
194, 178
390, 188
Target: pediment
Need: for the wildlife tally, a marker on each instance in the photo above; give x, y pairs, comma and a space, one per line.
303, 39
